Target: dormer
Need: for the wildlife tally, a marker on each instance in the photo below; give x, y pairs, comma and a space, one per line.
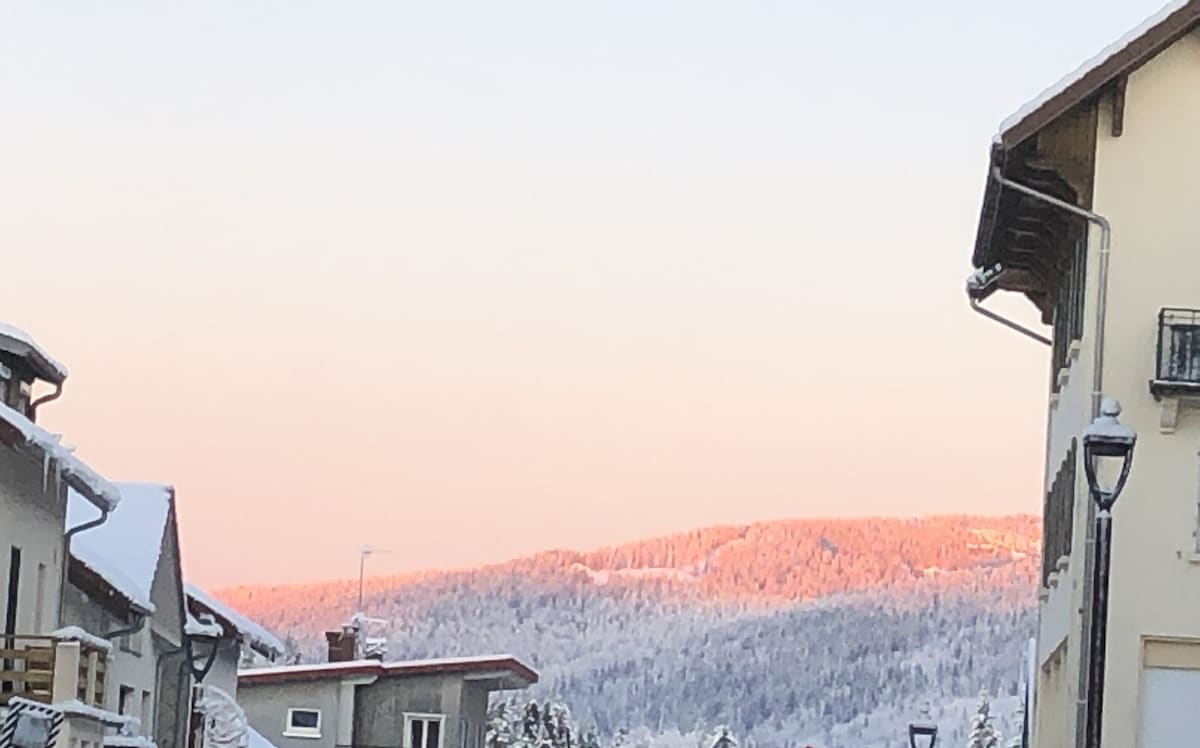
22, 363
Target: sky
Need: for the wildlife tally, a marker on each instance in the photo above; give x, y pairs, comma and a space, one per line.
463, 281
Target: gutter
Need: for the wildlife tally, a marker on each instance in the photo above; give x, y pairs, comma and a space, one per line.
1089, 547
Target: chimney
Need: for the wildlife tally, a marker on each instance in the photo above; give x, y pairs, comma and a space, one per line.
343, 645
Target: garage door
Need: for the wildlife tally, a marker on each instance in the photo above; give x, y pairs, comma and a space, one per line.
1169, 702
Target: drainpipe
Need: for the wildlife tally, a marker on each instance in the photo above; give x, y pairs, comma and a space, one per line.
139, 623
975, 305
1097, 388
33, 406
66, 562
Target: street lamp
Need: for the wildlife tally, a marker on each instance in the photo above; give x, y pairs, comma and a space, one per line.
1105, 441
922, 733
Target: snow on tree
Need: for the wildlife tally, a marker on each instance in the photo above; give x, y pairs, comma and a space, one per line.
723, 738
499, 727
983, 733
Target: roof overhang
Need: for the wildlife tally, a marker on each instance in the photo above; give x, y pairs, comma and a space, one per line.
1129, 53
18, 343
497, 673
101, 591
1023, 244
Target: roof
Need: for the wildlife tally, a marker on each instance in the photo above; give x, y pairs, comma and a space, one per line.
1131, 51
20, 343
16, 428
124, 551
254, 634
506, 670
256, 740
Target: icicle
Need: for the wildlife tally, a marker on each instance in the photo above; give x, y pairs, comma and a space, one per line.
45, 470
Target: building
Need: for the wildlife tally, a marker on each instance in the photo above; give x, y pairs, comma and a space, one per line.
233, 639
125, 585
1089, 212
41, 661
102, 646
367, 702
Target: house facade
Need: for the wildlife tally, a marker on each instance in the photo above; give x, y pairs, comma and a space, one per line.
125, 585
1089, 213
231, 639
43, 662
367, 703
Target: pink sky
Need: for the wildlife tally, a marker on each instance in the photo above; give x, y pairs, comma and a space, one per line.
499, 286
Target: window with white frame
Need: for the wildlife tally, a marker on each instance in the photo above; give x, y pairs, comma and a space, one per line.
423, 730
303, 723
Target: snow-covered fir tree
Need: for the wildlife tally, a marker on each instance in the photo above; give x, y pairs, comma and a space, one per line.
723, 738
983, 733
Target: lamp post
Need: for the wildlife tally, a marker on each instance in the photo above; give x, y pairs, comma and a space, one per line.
1105, 441
923, 732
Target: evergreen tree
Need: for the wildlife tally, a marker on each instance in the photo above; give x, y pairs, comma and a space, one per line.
983, 733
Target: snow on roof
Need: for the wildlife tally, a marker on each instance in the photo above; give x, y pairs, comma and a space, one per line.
24, 340
256, 636
125, 550
400, 667
1104, 56
129, 741
209, 628
256, 740
87, 481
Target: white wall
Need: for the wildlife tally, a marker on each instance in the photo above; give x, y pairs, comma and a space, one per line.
33, 520
1145, 185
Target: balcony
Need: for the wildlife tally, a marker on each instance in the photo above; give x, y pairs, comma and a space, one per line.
1177, 363
51, 669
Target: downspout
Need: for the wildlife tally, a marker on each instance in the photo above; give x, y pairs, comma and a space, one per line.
1009, 323
66, 562
33, 406
139, 623
1097, 388
183, 712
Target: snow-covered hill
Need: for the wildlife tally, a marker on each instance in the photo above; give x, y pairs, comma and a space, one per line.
830, 632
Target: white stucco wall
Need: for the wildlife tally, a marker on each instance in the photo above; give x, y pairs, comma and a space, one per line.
1145, 185
33, 520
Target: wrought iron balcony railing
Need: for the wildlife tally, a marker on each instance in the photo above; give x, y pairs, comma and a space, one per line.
1178, 356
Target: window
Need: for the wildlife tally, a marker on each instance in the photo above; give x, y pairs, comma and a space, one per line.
14, 580
423, 730
146, 713
125, 701
39, 602
303, 723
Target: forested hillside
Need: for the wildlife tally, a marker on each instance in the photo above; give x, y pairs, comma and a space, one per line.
783, 630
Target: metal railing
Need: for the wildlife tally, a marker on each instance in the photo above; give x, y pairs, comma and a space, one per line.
1178, 347
49, 669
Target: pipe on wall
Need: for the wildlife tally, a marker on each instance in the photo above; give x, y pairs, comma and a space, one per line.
1089, 548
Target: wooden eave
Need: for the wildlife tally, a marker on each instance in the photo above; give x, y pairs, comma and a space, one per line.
1026, 245
1137, 52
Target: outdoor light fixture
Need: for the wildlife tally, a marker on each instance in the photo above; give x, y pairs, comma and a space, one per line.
203, 643
922, 733
1105, 440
